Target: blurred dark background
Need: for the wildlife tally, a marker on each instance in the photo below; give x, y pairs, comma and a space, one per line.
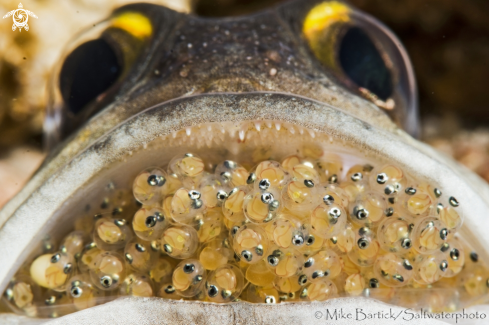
448, 42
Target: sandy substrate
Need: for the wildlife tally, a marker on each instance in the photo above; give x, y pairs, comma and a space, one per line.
16, 167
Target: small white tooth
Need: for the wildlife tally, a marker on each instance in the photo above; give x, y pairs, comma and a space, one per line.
209, 128
312, 134
301, 131
208, 140
200, 143
188, 131
242, 135
257, 126
268, 124
219, 136
291, 130
277, 126
174, 135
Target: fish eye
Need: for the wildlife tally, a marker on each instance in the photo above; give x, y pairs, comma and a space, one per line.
93, 68
363, 63
87, 72
365, 57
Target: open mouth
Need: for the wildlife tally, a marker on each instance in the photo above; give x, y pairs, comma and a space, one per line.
228, 206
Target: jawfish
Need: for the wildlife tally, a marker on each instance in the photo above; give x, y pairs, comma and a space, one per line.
253, 169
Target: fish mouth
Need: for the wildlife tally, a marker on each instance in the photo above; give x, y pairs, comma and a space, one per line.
246, 128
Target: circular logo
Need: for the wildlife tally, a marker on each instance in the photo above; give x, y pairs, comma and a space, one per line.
20, 17
318, 314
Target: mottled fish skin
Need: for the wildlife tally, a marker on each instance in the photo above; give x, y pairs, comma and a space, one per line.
196, 85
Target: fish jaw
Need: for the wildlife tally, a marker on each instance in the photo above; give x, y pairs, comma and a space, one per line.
135, 138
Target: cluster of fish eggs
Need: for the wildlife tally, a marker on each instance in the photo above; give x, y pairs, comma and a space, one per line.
302, 229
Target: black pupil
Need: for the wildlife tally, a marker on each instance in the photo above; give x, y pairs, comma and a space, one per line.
150, 221
87, 72
363, 64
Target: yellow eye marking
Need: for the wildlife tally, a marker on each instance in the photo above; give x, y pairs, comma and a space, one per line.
134, 23
320, 32
323, 15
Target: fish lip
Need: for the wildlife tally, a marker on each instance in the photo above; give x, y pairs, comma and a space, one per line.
386, 145
309, 312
